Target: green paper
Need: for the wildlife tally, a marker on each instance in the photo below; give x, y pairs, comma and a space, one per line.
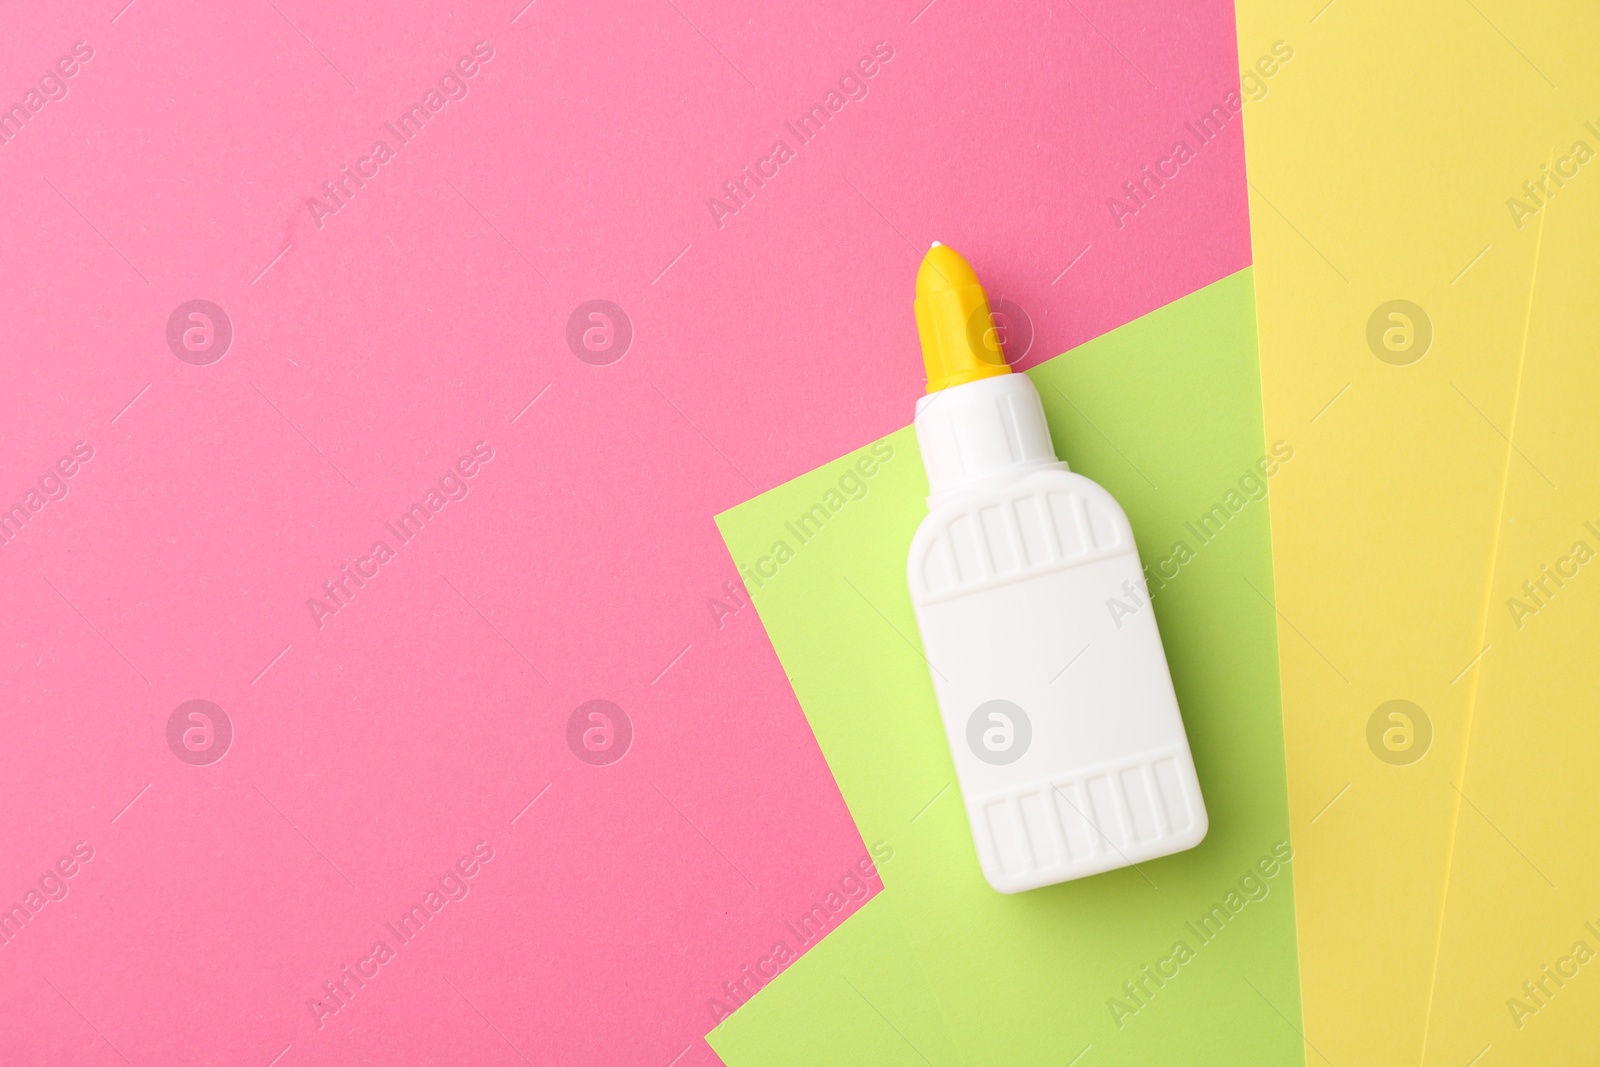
859, 998
1189, 959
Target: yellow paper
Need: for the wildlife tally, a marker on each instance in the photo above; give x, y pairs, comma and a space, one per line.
1519, 956
1393, 282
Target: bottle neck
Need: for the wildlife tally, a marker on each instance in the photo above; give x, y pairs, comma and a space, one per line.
982, 433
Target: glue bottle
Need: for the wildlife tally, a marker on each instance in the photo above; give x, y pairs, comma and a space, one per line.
1061, 716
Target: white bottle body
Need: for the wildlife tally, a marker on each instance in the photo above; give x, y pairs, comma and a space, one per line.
1057, 703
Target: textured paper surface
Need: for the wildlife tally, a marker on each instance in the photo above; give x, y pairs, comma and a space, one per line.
1382, 160
1165, 413
1521, 930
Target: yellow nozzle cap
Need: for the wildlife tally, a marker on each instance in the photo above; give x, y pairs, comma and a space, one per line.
959, 341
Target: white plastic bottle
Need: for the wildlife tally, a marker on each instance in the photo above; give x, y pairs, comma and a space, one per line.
1061, 718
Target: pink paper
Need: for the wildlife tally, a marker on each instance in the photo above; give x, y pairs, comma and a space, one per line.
227, 385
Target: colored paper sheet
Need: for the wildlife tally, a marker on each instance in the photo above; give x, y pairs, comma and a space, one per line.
1165, 412
1384, 144
1517, 970
566, 251
865, 1000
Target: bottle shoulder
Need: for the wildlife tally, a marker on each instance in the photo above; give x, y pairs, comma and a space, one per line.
1044, 521
1045, 482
